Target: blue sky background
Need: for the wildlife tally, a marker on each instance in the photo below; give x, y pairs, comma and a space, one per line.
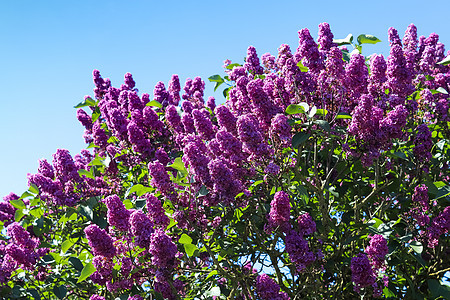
48, 50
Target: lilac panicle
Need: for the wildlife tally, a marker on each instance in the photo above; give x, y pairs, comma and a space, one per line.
84, 119
250, 136
421, 196
129, 82
377, 250
46, 169
64, 166
118, 215
325, 39
423, 143
194, 157
160, 94
394, 122
393, 37
20, 236
211, 103
7, 211
280, 211
142, 228
99, 135
156, 212
229, 145
268, 289
174, 119
161, 180
308, 52
174, 90
399, 75
96, 297
410, 39
203, 124
252, 62
362, 274
188, 123
439, 226
377, 75
268, 61
225, 184
163, 250
100, 241
356, 75
306, 224
298, 250
281, 129
226, 119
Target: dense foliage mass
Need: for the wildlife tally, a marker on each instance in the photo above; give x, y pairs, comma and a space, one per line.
324, 175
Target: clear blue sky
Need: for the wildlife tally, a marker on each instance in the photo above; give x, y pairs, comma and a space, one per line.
48, 50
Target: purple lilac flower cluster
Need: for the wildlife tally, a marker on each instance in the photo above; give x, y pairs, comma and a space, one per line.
268, 289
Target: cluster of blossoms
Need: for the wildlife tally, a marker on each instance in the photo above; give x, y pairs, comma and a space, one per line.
193, 162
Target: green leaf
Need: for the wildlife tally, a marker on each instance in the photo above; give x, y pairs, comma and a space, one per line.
438, 289
179, 166
18, 215
154, 103
416, 246
313, 111
60, 291
441, 90
216, 78
445, 61
323, 124
185, 239
343, 115
212, 273
86, 102
225, 91
33, 189
128, 204
231, 66
367, 39
139, 189
347, 41
388, 293
321, 112
189, 249
299, 139
86, 272
76, 263
86, 173
217, 85
19, 204
297, 108
66, 245
302, 67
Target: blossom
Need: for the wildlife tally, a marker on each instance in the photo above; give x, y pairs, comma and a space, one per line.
377, 250
252, 62
141, 228
298, 250
306, 224
268, 289
325, 39
162, 249
100, 241
161, 180
118, 215
362, 273
280, 211
156, 212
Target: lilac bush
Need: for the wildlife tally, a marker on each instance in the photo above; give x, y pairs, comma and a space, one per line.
324, 174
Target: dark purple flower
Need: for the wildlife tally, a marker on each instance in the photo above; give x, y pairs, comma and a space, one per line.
203, 124
399, 75
298, 250
377, 250
250, 136
281, 129
268, 61
356, 75
160, 94
163, 250
118, 215
280, 211
393, 37
325, 39
362, 274
141, 228
174, 119
161, 180
308, 52
226, 119
423, 143
226, 186
174, 90
156, 212
268, 289
100, 241
84, 119
252, 62
306, 224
